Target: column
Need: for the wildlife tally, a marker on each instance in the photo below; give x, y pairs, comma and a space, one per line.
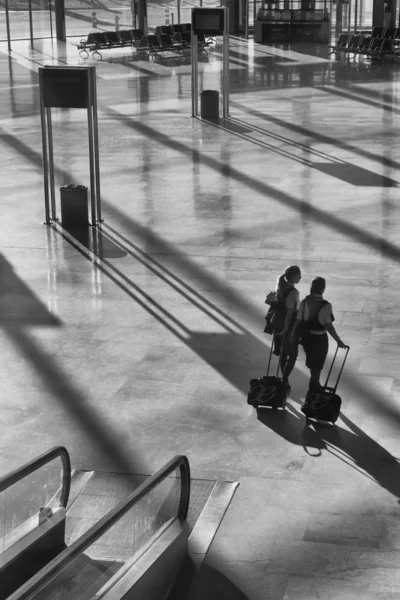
59, 7
142, 15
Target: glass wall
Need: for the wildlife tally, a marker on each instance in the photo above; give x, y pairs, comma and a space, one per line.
21, 502
85, 16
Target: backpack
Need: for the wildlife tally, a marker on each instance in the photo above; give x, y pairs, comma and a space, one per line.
276, 315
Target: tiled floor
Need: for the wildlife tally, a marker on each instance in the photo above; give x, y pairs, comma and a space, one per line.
139, 343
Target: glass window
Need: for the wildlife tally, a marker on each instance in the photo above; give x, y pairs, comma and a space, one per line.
20, 504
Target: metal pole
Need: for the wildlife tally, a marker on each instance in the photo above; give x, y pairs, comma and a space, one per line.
178, 8
225, 66
30, 22
92, 83
51, 164
8, 26
51, 20
348, 16
44, 151
91, 153
247, 19
195, 82
355, 15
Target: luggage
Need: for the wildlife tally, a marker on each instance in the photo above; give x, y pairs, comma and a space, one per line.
325, 406
268, 391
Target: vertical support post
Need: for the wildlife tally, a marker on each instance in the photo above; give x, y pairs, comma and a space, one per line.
30, 22
225, 66
349, 17
51, 164
8, 25
91, 154
247, 19
178, 10
195, 79
142, 16
92, 83
339, 18
44, 151
355, 15
59, 8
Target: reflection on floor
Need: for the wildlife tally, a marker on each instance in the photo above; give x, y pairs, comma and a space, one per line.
139, 343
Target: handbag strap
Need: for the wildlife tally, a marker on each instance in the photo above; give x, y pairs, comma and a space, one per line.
270, 353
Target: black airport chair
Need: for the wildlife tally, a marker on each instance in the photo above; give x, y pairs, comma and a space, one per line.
163, 29
125, 37
153, 46
341, 43
390, 33
113, 39
178, 28
378, 32
167, 44
356, 42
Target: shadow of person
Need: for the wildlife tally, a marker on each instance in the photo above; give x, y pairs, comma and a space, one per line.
290, 425
238, 357
211, 584
366, 454
354, 447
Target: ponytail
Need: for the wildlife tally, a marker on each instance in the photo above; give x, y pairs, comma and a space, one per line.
284, 278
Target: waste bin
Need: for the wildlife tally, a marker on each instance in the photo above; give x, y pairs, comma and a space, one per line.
74, 205
209, 104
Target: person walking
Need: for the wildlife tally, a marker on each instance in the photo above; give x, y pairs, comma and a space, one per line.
288, 300
312, 325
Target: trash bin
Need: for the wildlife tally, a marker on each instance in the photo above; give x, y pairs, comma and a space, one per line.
209, 104
74, 205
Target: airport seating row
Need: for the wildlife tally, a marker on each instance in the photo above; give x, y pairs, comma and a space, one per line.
379, 42
168, 38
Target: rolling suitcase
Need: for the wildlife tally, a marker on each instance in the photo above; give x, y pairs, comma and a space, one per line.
268, 391
325, 406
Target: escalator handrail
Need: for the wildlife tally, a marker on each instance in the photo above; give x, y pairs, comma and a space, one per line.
38, 581
30, 467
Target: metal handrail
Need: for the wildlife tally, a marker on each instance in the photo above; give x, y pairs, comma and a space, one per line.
38, 581
58, 451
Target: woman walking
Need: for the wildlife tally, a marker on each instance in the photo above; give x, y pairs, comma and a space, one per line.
288, 300
315, 319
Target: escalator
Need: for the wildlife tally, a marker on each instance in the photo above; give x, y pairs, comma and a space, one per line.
58, 545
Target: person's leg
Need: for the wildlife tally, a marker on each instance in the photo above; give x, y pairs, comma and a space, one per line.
319, 354
314, 379
285, 353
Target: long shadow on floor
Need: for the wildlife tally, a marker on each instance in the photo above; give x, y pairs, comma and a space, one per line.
354, 447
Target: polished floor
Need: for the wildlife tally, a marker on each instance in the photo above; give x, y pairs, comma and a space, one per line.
137, 342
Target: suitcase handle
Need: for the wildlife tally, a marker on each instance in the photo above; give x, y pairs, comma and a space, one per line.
270, 356
333, 389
